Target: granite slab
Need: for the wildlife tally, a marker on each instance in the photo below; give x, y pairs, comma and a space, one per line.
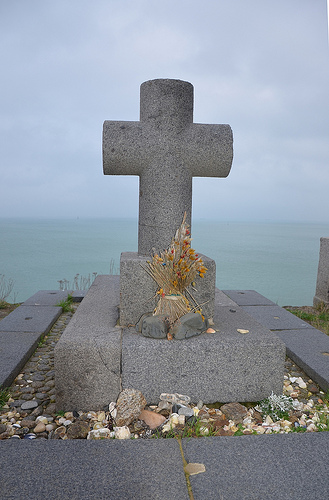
248, 298
275, 318
309, 349
15, 350
47, 298
31, 318
86, 469
273, 467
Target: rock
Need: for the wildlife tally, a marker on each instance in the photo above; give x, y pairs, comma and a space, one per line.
28, 423
122, 432
220, 422
129, 405
3, 428
40, 427
184, 410
78, 430
164, 405
189, 325
154, 327
313, 388
234, 411
151, 418
175, 398
29, 405
192, 469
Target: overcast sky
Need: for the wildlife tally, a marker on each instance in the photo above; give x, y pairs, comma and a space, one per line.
261, 66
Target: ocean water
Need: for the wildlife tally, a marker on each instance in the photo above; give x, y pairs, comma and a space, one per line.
279, 260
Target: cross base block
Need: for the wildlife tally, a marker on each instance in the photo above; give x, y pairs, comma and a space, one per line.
138, 289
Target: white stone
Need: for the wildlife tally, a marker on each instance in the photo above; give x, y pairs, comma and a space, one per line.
122, 432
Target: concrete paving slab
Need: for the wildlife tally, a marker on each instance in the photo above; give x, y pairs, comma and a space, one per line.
37, 319
225, 366
273, 467
275, 318
15, 350
248, 298
47, 298
309, 349
83, 470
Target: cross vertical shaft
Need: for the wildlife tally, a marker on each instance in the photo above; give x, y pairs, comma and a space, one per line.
166, 149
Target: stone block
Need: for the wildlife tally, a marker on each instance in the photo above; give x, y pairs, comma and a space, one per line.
87, 356
15, 350
137, 288
31, 318
322, 283
248, 298
271, 467
80, 469
309, 349
226, 366
47, 298
275, 318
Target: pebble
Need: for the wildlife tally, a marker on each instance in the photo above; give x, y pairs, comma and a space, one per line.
35, 418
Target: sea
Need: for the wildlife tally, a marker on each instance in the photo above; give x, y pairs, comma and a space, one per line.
278, 260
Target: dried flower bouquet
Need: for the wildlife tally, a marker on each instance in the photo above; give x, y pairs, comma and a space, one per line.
174, 270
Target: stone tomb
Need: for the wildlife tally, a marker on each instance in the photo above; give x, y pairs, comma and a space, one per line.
100, 352
95, 358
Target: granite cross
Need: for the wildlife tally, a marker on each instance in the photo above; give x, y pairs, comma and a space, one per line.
166, 149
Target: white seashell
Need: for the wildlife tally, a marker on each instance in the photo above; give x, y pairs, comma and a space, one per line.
174, 418
241, 330
204, 431
122, 432
166, 427
101, 416
181, 419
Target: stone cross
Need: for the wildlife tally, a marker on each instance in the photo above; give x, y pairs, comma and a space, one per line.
166, 149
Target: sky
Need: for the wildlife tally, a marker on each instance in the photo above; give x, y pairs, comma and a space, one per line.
261, 66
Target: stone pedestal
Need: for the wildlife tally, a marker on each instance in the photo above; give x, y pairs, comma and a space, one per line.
95, 359
138, 289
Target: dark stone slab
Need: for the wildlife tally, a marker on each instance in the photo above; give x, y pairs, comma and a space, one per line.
274, 467
275, 318
47, 298
83, 470
309, 349
15, 350
37, 319
79, 295
248, 298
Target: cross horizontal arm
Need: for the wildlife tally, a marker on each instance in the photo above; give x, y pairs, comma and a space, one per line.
123, 152
208, 150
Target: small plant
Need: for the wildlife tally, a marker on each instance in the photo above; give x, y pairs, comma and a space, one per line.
4, 397
60, 413
277, 407
79, 282
66, 305
6, 287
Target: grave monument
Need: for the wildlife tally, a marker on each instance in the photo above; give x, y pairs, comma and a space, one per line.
101, 352
322, 282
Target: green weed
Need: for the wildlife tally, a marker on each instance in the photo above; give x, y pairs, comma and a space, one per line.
66, 305
4, 397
